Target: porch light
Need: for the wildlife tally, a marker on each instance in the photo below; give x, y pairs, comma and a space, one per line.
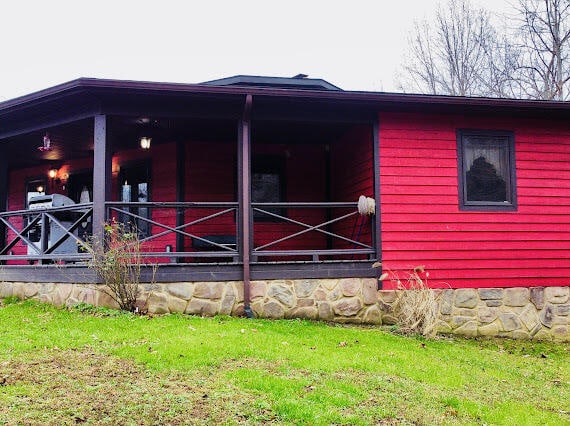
46, 146
52, 173
39, 188
145, 142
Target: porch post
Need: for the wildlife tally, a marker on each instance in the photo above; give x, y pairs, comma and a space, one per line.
377, 231
3, 191
102, 172
244, 193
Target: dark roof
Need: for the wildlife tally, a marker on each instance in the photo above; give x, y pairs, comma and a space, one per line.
300, 81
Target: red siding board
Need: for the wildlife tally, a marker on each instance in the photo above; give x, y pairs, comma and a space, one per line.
422, 223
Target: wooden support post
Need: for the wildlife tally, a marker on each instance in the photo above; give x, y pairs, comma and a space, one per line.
102, 172
245, 228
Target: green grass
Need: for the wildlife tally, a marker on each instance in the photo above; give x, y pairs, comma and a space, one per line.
97, 366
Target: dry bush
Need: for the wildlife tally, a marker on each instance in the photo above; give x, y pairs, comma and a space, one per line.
416, 305
118, 262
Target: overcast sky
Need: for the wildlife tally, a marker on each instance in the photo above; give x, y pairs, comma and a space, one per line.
357, 45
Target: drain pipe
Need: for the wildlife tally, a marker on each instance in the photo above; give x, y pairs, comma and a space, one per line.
244, 154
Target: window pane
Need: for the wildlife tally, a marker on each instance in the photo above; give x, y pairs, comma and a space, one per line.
486, 161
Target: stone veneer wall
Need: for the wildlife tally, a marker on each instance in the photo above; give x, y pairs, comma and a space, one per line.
536, 312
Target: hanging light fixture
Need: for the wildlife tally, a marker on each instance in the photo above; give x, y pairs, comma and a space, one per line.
46, 146
145, 142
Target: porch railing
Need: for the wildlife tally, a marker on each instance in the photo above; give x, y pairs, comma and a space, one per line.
182, 232
313, 231
47, 234
197, 224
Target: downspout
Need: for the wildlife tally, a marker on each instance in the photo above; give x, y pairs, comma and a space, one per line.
244, 155
377, 231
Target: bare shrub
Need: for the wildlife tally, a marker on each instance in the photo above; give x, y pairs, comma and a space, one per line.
416, 304
118, 262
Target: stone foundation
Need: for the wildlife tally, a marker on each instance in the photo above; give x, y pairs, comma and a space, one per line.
528, 313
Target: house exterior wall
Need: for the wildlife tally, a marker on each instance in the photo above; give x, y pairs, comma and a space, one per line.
423, 225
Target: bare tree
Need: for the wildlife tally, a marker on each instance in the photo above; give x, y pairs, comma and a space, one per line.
459, 54
544, 32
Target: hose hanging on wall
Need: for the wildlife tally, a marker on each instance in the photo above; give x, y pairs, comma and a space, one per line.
366, 207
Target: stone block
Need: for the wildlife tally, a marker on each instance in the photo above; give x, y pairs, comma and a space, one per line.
103, 299
206, 308
529, 317
307, 312
466, 312
490, 293
493, 303
468, 329
350, 287
257, 289
30, 290
466, 298
487, 315
491, 329
282, 293
543, 334
208, 290
273, 310
387, 296
334, 294
547, 316
238, 287
373, 315
369, 291
180, 290
305, 288
509, 322
6, 289
389, 319
521, 335
446, 302
325, 311
228, 301
537, 297
157, 303
320, 295
238, 310
302, 303
556, 295
175, 304
348, 307
516, 296
443, 327
457, 321
563, 310
561, 333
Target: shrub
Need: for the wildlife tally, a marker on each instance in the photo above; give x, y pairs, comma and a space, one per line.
118, 262
416, 304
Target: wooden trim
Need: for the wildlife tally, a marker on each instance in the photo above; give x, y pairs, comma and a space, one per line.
166, 273
4, 175
377, 231
180, 189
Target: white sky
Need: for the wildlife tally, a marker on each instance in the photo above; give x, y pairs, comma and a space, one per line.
357, 45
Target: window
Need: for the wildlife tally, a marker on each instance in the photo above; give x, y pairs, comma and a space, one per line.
268, 185
486, 170
134, 182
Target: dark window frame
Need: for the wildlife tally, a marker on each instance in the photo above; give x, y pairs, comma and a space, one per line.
511, 183
270, 164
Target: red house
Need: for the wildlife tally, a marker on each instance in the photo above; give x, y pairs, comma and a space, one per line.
246, 192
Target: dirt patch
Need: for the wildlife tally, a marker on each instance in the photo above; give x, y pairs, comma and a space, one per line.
82, 387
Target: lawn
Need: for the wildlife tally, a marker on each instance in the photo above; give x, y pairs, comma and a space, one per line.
93, 366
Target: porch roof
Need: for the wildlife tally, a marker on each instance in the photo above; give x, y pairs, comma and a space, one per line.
93, 92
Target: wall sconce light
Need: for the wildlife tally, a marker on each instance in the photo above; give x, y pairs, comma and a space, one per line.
52, 173
145, 142
39, 188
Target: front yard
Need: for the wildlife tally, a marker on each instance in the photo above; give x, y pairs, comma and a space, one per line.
92, 366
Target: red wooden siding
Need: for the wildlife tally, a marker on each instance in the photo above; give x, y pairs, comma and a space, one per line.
422, 223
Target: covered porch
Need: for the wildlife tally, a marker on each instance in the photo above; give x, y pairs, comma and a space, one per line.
236, 184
